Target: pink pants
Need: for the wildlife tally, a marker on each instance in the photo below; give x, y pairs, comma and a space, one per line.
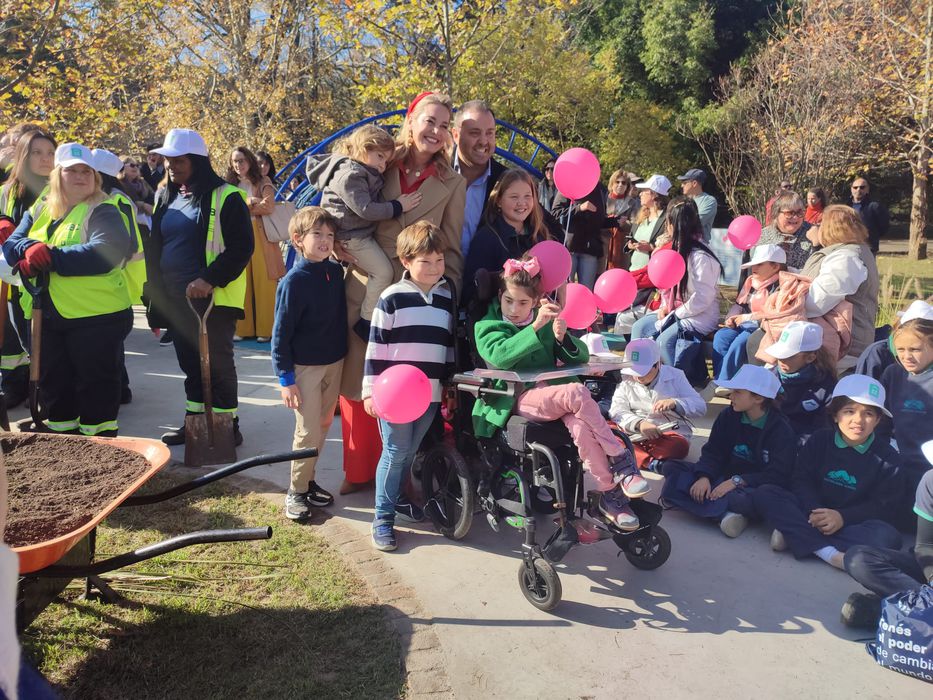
574, 405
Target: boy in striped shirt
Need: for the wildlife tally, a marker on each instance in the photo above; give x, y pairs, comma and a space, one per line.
412, 324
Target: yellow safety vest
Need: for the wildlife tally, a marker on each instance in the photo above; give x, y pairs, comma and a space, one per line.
78, 296
234, 294
135, 268
7, 200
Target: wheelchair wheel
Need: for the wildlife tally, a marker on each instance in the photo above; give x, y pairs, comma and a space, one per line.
542, 586
649, 550
449, 493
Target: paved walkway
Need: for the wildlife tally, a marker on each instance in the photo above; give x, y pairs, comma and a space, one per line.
723, 618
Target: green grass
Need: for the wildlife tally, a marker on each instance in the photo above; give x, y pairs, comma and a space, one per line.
901, 269
281, 618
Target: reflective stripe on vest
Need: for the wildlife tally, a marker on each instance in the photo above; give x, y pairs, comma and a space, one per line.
134, 270
83, 295
234, 294
7, 200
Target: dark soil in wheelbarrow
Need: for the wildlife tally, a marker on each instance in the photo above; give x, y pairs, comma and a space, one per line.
58, 485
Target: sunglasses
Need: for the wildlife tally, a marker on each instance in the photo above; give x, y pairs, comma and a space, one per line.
794, 213
549, 170
131, 165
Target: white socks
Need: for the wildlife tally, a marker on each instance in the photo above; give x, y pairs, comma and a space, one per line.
826, 553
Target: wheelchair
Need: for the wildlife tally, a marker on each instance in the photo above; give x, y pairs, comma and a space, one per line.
526, 472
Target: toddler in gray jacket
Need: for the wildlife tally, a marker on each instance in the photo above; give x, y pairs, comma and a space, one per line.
350, 180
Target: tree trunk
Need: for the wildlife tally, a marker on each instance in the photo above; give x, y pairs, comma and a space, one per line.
917, 249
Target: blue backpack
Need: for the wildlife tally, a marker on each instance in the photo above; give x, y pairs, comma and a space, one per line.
905, 634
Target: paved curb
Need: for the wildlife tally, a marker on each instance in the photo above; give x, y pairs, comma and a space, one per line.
422, 658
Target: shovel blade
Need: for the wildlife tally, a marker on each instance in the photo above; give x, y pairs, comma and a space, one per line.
199, 450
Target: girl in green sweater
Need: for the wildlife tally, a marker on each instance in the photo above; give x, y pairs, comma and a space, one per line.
522, 330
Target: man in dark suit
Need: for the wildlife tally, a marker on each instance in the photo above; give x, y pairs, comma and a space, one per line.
474, 133
874, 214
153, 170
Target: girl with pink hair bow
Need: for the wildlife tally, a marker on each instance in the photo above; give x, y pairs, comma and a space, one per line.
522, 331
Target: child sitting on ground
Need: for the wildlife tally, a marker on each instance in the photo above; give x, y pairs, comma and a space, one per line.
350, 181
750, 444
522, 331
309, 341
412, 324
651, 395
845, 481
880, 355
742, 320
909, 387
807, 375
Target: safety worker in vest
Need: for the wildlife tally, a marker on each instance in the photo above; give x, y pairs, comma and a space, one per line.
80, 239
109, 166
27, 187
199, 246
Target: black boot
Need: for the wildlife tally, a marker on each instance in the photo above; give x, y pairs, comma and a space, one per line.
176, 436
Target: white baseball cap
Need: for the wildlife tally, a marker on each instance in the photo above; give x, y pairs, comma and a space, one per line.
917, 309
797, 336
106, 162
182, 142
755, 379
598, 347
862, 389
69, 154
656, 183
642, 354
766, 253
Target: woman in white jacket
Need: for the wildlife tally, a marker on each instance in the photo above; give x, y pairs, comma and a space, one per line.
843, 269
692, 305
651, 395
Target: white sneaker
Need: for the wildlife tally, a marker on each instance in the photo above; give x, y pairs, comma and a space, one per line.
777, 541
733, 524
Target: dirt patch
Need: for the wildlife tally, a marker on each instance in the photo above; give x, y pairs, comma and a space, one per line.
57, 485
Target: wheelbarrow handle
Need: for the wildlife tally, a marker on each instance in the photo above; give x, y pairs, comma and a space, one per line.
217, 474
154, 550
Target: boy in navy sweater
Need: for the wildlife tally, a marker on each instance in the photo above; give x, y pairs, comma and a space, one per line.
750, 444
412, 324
309, 341
845, 481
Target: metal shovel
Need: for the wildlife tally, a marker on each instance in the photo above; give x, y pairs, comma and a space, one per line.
4, 293
36, 290
208, 436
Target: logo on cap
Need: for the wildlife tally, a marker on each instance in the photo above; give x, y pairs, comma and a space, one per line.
75, 152
785, 335
635, 356
873, 390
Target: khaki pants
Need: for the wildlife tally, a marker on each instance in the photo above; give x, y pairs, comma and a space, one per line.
372, 259
319, 386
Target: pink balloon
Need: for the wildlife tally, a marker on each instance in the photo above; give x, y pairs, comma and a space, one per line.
744, 232
580, 307
401, 394
666, 268
576, 173
555, 263
615, 290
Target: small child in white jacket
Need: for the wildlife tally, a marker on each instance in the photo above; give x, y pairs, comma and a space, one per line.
651, 395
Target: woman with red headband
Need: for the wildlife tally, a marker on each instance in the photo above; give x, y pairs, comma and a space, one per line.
421, 164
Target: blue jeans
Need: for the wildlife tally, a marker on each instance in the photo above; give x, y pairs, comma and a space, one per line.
729, 349
667, 341
400, 443
584, 268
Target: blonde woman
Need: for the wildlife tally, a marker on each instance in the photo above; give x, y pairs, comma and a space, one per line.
81, 241
422, 164
843, 269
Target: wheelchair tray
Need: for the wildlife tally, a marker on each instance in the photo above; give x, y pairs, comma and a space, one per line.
532, 377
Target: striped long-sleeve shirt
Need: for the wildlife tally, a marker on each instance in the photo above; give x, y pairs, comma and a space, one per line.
411, 327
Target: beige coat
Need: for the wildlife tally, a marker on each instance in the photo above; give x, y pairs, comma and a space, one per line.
443, 203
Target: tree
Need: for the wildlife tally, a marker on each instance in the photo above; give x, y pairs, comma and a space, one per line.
892, 42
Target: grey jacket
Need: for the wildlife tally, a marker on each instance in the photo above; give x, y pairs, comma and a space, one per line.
352, 193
